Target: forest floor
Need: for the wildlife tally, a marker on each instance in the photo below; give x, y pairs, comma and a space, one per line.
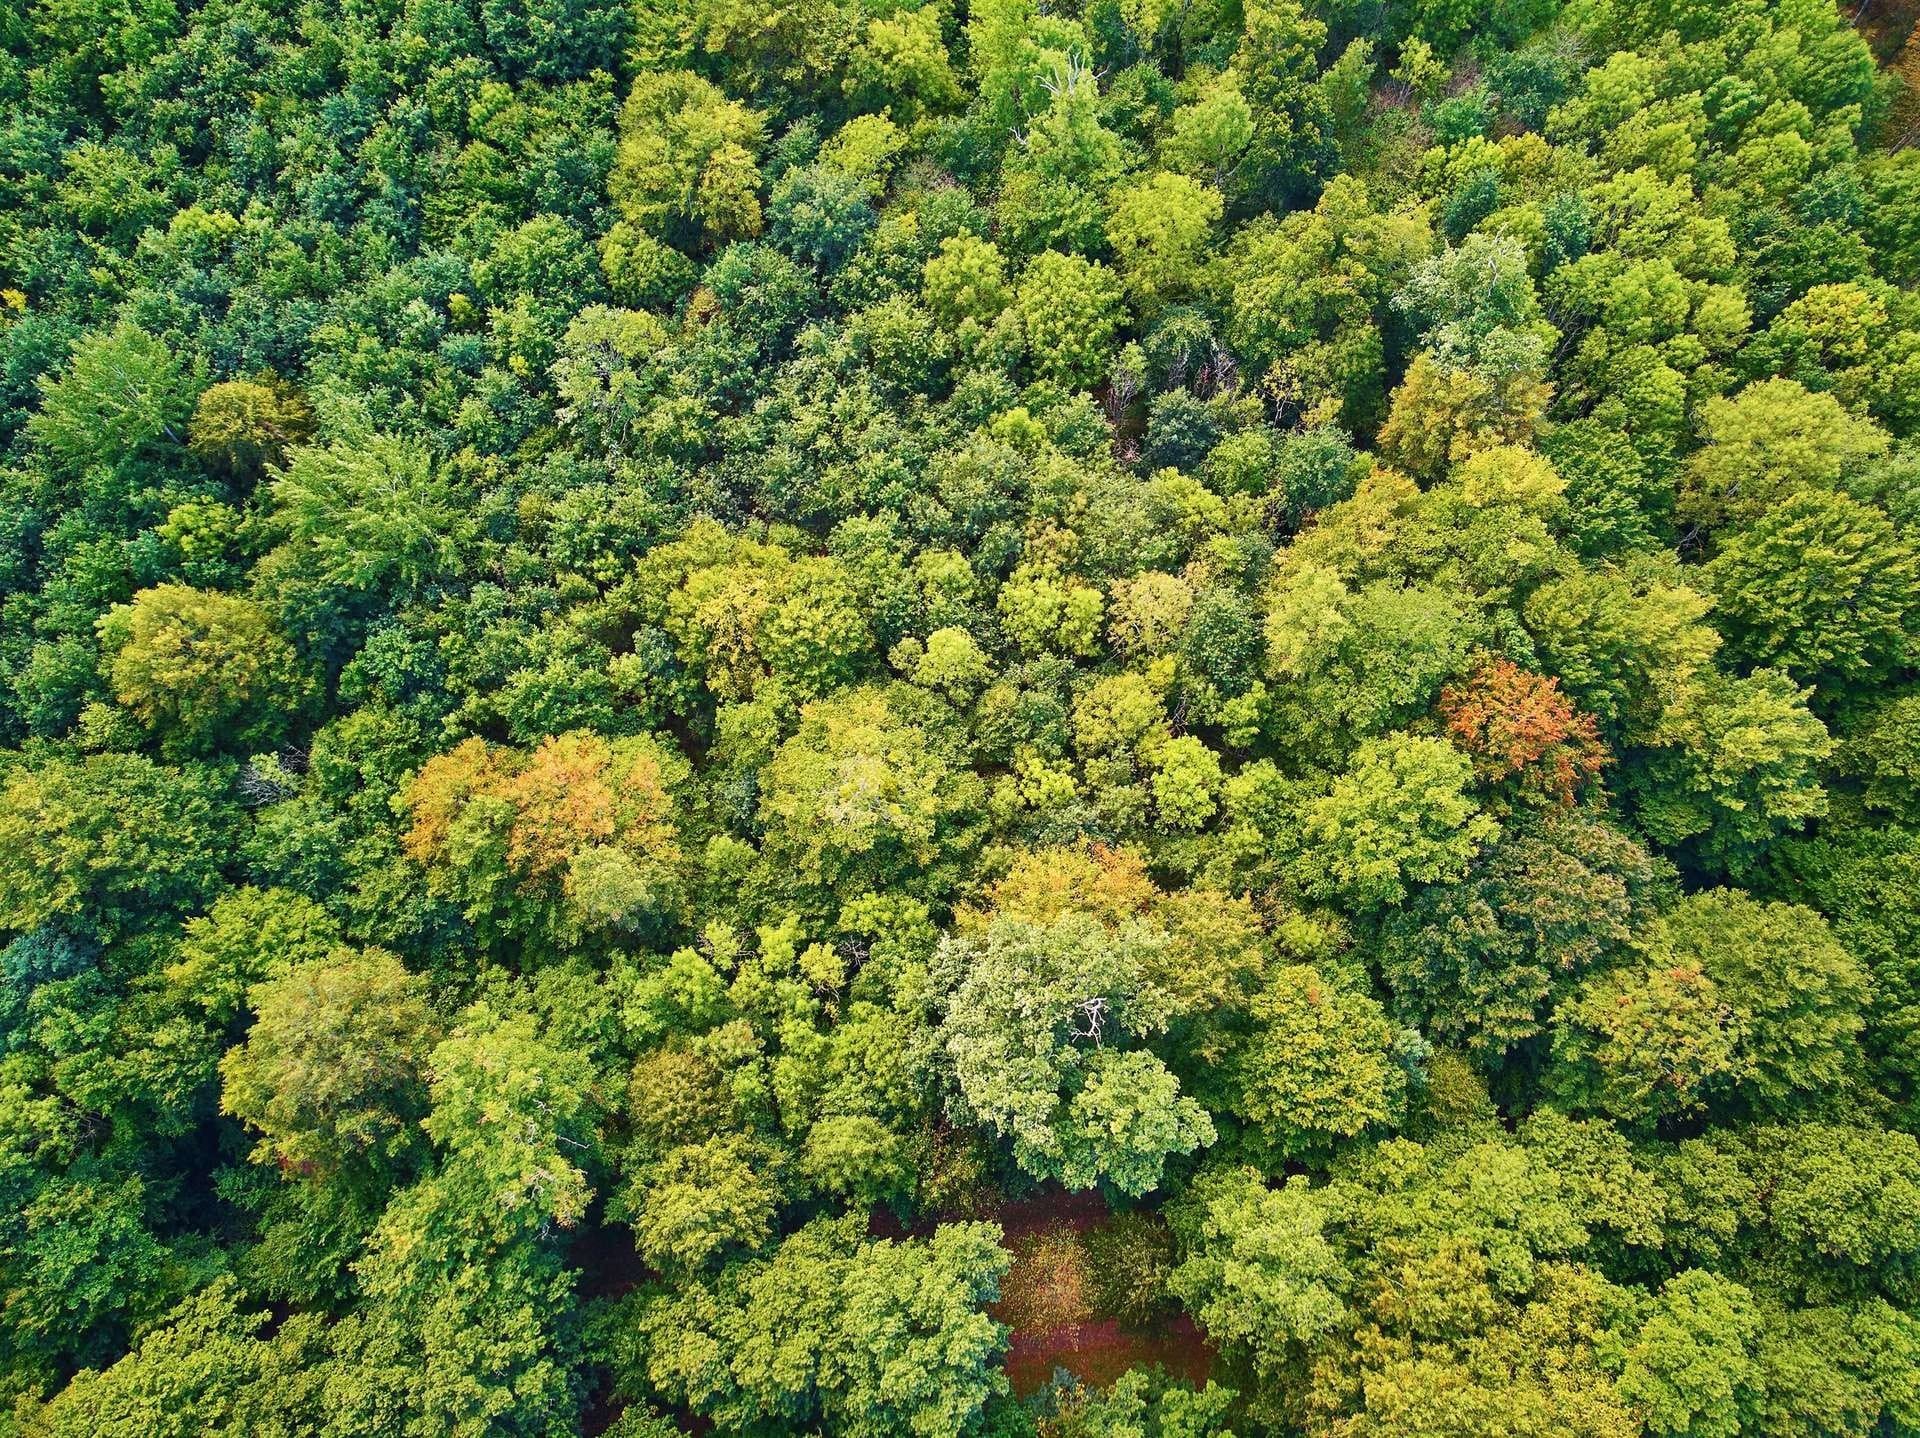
1055, 1320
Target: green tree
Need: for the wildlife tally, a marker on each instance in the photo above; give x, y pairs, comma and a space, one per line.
1399, 816
966, 279
864, 1337
1275, 66
122, 395
819, 215
1034, 1020
209, 1364
110, 843
368, 522
1626, 644
685, 168
1820, 586
240, 426
1646, 1045
466, 1315
1767, 442
1159, 230
1069, 310
201, 669
703, 1199
1319, 1066
1798, 992
246, 936
1692, 1368
1738, 764
862, 793
1480, 962
333, 1072
1737, 1000
1264, 1272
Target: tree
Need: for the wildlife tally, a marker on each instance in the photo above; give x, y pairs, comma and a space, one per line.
1738, 765
83, 1267
702, 1200
1399, 816
368, 522
953, 663
1627, 645
1141, 1401
1819, 586
1274, 67
867, 1338
902, 62
1126, 1118
207, 1365
1841, 1197
861, 792
1186, 780
110, 843
580, 835
1737, 1000
1481, 962
1352, 665
1159, 231
686, 168
1798, 993
1310, 295
1069, 308
1046, 611
1645, 1046
1692, 1369
1842, 1367
1443, 414
1319, 1066
1469, 298
1030, 1013
1441, 1346
1516, 725
643, 271
742, 613
554, 40
245, 937
201, 669
966, 279
603, 376
240, 426
123, 393
1265, 1271
1767, 442
333, 1072
819, 215
508, 1115
1885, 754
473, 1347
1052, 186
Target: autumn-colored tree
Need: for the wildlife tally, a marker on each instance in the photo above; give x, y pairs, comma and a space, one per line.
1516, 725
578, 835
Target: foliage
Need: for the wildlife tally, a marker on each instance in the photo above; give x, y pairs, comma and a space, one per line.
658, 657
201, 669
871, 1337
1399, 816
1029, 1024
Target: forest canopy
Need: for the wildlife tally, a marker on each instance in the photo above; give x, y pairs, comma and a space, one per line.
664, 664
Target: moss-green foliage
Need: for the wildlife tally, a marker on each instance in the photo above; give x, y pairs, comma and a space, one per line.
654, 653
